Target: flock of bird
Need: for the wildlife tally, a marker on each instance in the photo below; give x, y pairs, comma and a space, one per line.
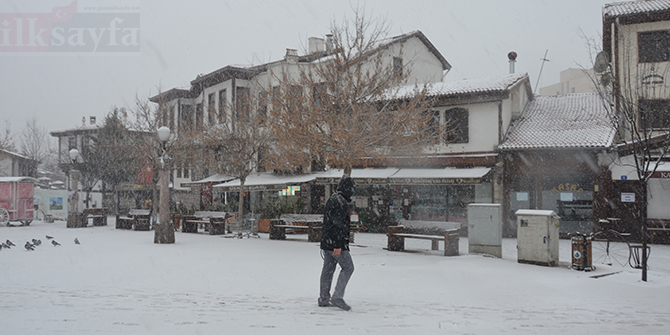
30, 245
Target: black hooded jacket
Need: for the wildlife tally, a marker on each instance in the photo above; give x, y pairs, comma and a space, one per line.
335, 234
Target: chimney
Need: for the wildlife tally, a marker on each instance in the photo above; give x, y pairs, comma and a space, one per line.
329, 43
291, 55
83, 121
315, 45
512, 60
92, 118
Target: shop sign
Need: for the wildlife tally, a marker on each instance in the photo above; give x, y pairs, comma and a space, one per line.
434, 181
661, 174
567, 187
627, 197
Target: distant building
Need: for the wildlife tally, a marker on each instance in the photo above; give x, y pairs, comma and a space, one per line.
13, 164
572, 81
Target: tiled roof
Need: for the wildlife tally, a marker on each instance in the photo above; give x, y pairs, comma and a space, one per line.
481, 86
566, 121
635, 7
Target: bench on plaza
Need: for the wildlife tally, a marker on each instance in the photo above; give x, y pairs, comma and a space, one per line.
136, 219
216, 223
435, 231
98, 215
297, 223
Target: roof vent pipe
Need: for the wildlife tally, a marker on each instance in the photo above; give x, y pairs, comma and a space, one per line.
512, 60
329, 43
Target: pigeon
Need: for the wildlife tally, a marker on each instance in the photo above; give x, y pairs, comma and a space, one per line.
10, 243
37, 242
76, 241
29, 246
55, 243
49, 237
4, 245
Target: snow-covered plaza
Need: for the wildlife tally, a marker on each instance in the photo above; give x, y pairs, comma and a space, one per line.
120, 282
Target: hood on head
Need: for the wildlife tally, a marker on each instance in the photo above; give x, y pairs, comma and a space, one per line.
347, 187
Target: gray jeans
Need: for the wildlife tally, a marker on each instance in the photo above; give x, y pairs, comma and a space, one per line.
329, 264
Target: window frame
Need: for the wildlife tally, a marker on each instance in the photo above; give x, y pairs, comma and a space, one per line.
660, 120
648, 48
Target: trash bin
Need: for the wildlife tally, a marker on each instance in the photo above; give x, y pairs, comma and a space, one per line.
581, 253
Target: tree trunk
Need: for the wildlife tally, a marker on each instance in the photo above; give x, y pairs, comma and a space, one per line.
240, 203
164, 231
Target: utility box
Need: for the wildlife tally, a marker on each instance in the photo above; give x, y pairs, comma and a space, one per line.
537, 237
485, 229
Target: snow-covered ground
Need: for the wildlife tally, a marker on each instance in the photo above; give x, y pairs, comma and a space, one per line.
120, 282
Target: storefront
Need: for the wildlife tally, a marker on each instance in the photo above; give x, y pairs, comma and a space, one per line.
385, 196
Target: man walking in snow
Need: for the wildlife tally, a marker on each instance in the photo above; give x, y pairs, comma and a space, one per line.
335, 245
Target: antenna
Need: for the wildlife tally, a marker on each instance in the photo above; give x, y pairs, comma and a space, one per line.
544, 59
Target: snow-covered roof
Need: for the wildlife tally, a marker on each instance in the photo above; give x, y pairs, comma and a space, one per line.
15, 154
635, 7
566, 121
213, 179
17, 179
269, 179
489, 85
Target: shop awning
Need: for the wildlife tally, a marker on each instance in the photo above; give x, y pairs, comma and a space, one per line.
213, 179
446, 176
266, 182
395, 176
360, 176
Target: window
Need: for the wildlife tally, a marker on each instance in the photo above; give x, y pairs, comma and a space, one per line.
397, 66
655, 114
170, 116
456, 125
198, 116
433, 126
319, 94
223, 101
276, 98
262, 106
242, 102
211, 108
186, 119
653, 46
72, 142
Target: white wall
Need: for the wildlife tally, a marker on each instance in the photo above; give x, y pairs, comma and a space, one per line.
658, 193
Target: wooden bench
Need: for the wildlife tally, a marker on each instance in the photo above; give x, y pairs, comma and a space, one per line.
448, 232
656, 226
136, 219
216, 223
98, 215
308, 223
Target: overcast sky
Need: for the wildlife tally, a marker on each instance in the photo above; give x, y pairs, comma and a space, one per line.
181, 40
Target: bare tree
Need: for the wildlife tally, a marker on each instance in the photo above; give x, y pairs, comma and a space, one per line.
239, 147
352, 105
640, 113
7, 139
35, 142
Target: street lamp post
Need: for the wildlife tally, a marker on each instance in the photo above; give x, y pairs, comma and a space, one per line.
73, 217
164, 231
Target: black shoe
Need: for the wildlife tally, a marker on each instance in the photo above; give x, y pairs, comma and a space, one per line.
325, 303
339, 303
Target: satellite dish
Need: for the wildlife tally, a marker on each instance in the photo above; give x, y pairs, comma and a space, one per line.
602, 62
